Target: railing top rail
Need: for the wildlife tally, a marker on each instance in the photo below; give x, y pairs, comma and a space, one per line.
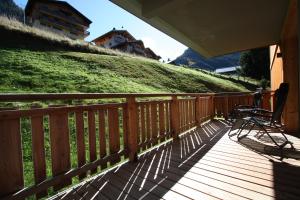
70, 96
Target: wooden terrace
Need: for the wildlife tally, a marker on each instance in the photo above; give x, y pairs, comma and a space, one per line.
203, 164
175, 146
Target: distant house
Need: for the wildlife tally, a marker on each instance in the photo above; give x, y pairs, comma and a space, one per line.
124, 41
57, 16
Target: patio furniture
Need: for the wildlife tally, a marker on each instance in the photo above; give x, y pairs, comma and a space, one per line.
267, 121
240, 111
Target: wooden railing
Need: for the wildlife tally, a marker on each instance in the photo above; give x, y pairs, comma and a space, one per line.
68, 142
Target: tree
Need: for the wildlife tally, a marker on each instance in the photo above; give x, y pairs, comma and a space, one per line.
255, 63
11, 10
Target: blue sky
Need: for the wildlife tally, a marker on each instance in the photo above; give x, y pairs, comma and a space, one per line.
106, 16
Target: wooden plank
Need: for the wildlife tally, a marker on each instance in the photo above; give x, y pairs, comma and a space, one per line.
60, 147
92, 138
139, 124
168, 129
226, 109
175, 117
154, 122
162, 129
186, 114
102, 138
125, 130
132, 129
11, 164
80, 141
114, 133
188, 120
38, 152
143, 125
191, 110
181, 115
148, 123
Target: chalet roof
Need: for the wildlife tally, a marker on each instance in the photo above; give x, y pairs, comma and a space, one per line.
31, 3
214, 27
114, 31
152, 52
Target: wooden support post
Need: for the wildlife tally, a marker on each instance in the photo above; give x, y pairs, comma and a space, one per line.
175, 117
198, 111
132, 128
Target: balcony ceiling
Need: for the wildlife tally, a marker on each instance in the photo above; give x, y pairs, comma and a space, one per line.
214, 27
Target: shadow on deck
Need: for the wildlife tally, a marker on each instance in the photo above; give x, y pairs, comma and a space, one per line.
203, 164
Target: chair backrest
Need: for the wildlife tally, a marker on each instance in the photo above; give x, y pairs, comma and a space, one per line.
280, 98
257, 99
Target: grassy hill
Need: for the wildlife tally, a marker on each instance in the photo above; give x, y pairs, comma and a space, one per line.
36, 61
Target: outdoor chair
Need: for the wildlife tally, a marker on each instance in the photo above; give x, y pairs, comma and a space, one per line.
267, 121
239, 111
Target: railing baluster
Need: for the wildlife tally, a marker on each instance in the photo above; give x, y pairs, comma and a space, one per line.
175, 117
60, 146
132, 128
38, 151
114, 133
143, 125
198, 110
168, 130
102, 138
80, 142
148, 112
92, 138
154, 123
11, 163
125, 130
162, 121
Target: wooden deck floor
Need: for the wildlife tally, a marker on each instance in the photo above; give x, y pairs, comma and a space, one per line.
204, 164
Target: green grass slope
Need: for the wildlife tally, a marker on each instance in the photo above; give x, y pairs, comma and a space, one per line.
62, 71
36, 61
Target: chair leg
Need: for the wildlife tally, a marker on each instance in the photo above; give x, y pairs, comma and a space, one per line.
287, 140
241, 129
266, 132
253, 125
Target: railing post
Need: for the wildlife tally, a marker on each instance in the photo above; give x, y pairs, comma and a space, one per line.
198, 111
132, 128
175, 117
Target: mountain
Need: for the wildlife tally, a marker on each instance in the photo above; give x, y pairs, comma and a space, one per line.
10, 9
193, 59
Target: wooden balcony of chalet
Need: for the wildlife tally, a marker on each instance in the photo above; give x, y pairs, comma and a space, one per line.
138, 146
